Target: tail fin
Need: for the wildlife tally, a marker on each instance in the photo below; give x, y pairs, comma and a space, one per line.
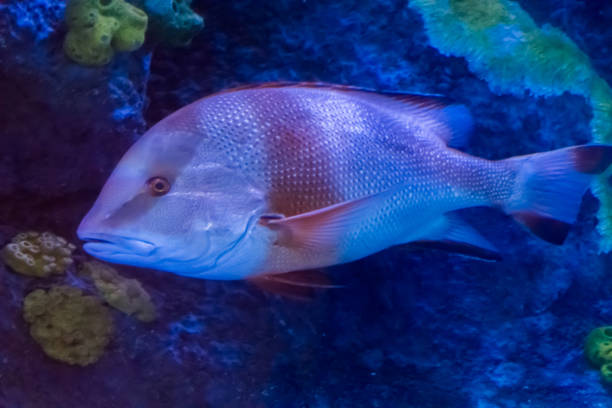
549, 187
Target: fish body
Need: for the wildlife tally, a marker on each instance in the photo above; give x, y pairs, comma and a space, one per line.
278, 178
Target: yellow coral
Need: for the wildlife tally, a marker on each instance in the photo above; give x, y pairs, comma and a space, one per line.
126, 295
98, 28
70, 326
35, 254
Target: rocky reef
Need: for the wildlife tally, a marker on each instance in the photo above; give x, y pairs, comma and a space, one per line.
408, 328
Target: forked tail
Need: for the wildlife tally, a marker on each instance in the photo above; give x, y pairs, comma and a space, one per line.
549, 187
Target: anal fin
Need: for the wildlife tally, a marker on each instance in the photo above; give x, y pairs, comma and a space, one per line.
451, 233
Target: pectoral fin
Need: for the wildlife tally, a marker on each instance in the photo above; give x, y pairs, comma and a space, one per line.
451, 233
320, 230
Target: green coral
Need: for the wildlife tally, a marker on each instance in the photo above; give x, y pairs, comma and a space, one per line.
69, 326
481, 14
504, 46
173, 22
126, 295
98, 28
598, 346
38, 254
598, 350
606, 373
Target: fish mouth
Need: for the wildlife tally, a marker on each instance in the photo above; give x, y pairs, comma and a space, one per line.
109, 245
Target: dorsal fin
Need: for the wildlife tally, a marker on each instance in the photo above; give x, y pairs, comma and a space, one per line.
451, 122
421, 100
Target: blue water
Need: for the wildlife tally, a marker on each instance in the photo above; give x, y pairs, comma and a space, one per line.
409, 328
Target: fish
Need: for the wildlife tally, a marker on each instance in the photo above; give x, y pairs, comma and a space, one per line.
270, 179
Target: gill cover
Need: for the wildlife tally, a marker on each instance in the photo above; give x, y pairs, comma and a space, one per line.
186, 227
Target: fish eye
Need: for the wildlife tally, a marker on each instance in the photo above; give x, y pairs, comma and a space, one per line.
158, 186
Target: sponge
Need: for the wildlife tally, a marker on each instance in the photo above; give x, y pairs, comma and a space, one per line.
98, 28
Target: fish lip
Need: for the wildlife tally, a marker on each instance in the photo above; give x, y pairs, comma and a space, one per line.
96, 243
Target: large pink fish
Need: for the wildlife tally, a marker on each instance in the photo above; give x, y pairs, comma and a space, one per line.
284, 177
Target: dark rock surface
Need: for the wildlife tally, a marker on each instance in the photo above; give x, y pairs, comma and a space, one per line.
410, 328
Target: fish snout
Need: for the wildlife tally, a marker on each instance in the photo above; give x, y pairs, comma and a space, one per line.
100, 239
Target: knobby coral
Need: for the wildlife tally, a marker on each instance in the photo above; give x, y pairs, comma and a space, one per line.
98, 28
126, 295
70, 326
504, 46
38, 254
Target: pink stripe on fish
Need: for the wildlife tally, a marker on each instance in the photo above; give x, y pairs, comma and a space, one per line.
300, 168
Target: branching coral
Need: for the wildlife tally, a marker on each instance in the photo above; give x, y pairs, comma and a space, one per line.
504, 46
126, 295
70, 326
35, 254
172, 22
98, 28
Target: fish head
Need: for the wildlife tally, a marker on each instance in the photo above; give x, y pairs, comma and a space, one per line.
173, 204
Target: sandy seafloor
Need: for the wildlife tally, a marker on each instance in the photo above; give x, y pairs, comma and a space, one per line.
418, 329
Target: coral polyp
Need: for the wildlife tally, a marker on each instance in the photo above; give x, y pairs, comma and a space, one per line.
38, 254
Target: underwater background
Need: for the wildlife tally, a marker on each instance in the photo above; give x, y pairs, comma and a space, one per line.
409, 328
